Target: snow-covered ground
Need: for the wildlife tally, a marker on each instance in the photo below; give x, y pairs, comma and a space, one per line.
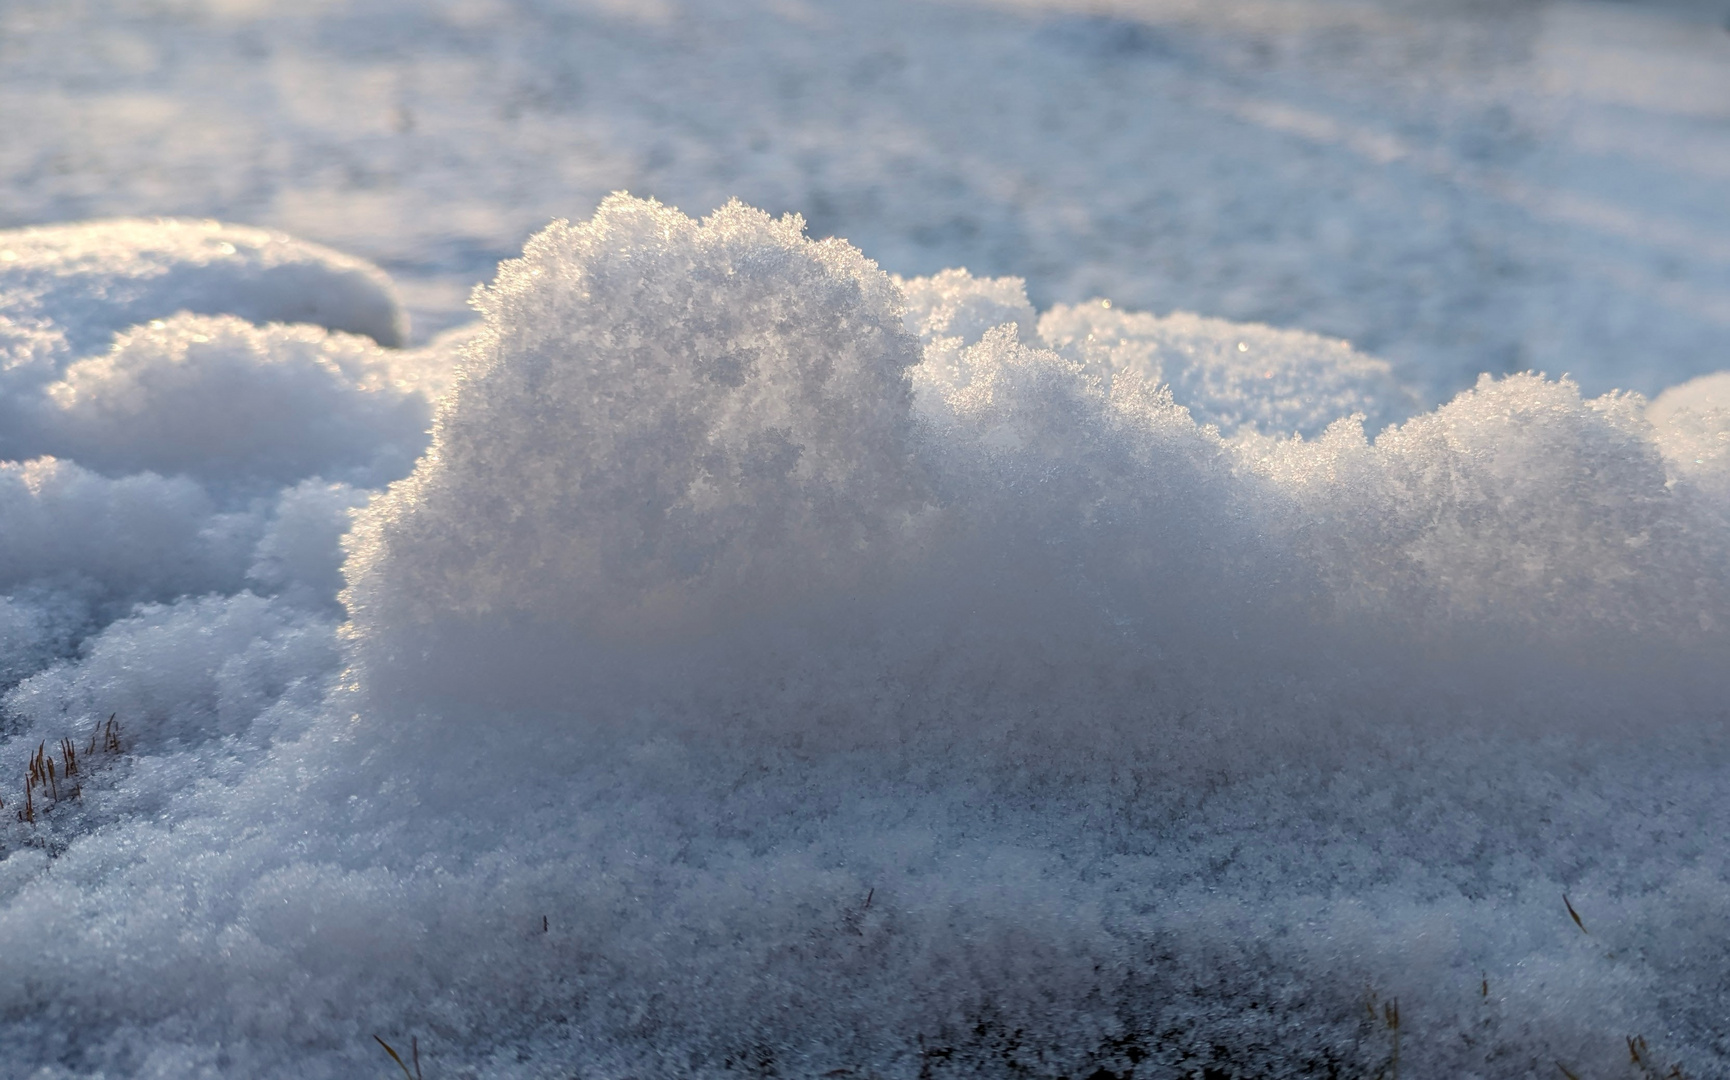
798, 657
1458, 187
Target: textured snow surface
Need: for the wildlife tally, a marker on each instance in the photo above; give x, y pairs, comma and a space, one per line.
774, 667
1152, 651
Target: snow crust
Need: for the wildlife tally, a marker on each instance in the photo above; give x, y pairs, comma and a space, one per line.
773, 667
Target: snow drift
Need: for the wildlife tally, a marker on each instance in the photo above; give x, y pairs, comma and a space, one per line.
776, 668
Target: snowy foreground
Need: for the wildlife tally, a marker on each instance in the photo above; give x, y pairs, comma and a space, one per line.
777, 668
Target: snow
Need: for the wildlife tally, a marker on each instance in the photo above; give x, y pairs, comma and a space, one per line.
92, 280
69, 290
1450, 186
733, 655
220, 400
1235, 376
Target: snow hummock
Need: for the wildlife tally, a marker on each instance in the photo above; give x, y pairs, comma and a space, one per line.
135, 289
91, 280
774, 667
217, 398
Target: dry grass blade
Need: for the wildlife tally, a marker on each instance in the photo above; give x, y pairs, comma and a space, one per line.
1574, 914
46, 772
394, 1057
1566, 1071
1390, 1019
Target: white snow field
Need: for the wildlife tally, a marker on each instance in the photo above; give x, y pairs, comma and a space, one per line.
1197, 642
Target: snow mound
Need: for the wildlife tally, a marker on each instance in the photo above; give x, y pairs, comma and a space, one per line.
775, 669
1517, 504
1693, 425
597, 474
668, 427
228, 403
96, 279
129, 345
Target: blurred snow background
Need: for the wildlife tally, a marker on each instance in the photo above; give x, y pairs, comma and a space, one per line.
1454, 186
789, 664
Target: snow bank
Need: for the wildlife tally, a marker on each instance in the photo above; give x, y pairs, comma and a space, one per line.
776, 669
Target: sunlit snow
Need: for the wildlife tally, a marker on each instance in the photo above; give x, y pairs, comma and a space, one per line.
750, 644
